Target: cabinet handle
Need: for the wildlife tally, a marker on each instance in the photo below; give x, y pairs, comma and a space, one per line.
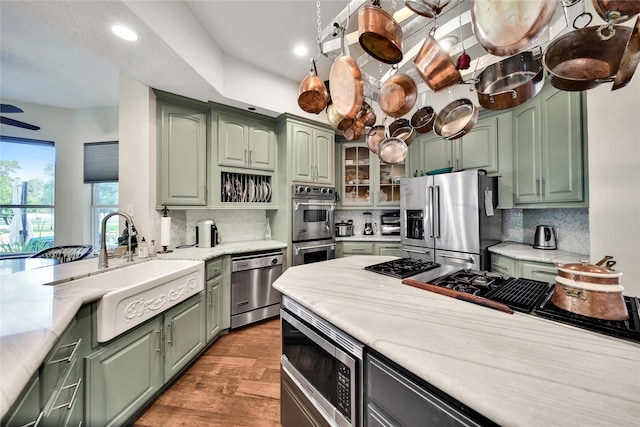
448, 163
159, 340
170, 339
250, 151
245, 157
71, 356
69, 405
358, 250
543, 272
457, 164
542, 189
499, 267
210, 291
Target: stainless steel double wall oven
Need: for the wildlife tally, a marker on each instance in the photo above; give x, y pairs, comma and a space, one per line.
313, 224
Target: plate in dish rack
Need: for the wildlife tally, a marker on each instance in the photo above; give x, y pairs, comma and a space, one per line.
252, 190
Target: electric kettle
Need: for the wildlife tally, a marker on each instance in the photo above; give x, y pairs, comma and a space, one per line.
545, 237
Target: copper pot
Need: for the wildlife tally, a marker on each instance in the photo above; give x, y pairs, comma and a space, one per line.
626, 9
337, 120
401, 128
423, 119
456, 119
312, 93
435, 66
374, 137
589, 290
427, 8
581, 60
345, 81
355, 131
367, 115
398, 95
380, 34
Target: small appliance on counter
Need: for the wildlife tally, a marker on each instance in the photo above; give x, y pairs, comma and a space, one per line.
545, 237
344, 229
207, 234
369, 228
390, 223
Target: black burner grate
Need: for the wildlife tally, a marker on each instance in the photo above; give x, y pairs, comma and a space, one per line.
520, 294
402, 268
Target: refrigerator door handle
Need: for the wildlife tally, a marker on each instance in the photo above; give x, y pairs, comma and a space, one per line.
430, 219
436, 211
467, 259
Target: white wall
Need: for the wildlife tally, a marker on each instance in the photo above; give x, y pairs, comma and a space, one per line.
614, 178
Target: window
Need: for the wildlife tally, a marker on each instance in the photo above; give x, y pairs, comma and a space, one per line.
104, 199
27, 195
101, 171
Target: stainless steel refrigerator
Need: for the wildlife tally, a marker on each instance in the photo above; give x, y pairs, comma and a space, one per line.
450, 218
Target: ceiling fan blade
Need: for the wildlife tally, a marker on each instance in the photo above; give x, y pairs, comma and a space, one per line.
8, 108
11, 122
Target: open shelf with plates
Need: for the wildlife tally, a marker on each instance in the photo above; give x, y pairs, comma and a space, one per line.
245, 188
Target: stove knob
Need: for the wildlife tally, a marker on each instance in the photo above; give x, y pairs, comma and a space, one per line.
329, 190
299, 189
307, 189
324, 190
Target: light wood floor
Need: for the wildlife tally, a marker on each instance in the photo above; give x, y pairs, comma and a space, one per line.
236, 382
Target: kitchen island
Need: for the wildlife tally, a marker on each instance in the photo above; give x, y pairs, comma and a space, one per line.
515, 369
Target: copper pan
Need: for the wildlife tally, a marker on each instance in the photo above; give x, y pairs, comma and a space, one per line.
435, 66
374, 137
398, 95
581, 59
427, 8
507, 27
355, 131
456, 119
345, 81
380, 35
367, 115
626, 9
337, 120
423, 119
312, 93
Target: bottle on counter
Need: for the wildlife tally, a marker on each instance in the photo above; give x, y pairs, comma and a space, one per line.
267, 230
143, 249
152, 249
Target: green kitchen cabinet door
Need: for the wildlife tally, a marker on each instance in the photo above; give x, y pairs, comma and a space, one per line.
435, 153
245, 143
123, 376
182, 162
262, 146
478, 149
184, 334
27, 408
213, 308
561, 148
388, 249
526, 153
313, 154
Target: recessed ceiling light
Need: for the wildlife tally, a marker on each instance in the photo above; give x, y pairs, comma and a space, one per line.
124, 33
300, 50
447, 42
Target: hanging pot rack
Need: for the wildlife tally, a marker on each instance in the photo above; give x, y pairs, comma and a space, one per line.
415, 29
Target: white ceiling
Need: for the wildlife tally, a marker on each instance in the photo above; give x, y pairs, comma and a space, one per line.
59, 53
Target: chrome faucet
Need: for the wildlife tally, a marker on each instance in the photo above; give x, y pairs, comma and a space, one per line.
103, 258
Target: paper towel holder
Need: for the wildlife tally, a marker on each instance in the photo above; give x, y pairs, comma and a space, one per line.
165, 230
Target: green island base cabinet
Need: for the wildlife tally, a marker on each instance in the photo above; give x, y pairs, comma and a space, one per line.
368, 248
542, 271
83, 382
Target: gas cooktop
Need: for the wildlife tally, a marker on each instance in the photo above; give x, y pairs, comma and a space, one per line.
401, 268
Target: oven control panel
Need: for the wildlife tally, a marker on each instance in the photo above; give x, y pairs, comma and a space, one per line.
315, 191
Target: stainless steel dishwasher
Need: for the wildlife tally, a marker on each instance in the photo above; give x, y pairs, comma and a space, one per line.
252, 296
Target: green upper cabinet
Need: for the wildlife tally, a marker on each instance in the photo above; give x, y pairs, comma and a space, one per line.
312, 153
548, 150
478, 149
245, 143
182, 152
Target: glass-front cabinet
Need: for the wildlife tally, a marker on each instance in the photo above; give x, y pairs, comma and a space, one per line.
366, 181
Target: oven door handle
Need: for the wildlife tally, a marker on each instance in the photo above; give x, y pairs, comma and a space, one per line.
298, 249
297, 205
417, 252
468, 259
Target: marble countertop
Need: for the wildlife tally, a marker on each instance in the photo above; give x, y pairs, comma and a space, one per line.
516, 369
33, 313
529, 253
373, 238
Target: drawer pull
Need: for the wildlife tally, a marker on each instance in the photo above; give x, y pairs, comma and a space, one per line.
72, 355
499, 267
69, 405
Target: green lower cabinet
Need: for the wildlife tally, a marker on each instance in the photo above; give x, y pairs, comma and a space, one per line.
357, 248
26, 410
123, 376
214, 309
388, 249
541, 271
184, 334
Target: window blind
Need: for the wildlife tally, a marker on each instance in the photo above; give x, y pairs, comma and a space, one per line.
100, 162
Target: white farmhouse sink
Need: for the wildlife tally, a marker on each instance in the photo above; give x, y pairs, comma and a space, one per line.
138, 292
